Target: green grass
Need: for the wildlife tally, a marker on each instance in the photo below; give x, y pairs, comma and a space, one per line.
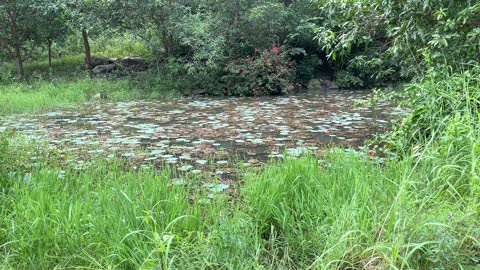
68, 83
42, 96
352, 213
120, 46
101, 218
71, 65
64, 68
348, 212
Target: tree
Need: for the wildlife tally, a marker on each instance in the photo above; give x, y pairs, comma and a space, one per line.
15, 30
34, 21
53, 25
83, 14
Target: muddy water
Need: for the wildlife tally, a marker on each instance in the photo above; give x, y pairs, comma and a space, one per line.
208, 133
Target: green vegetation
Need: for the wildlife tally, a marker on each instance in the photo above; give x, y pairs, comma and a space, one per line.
42, 96
358, 43
418, 208
346, 211
445, 105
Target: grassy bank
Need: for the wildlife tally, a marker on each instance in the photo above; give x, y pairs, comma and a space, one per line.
345, 212
68, 83
42, 95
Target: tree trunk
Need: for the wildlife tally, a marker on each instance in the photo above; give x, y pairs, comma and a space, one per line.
236, 14
86, 44
166, 43
49, 53
19, 62
171, 46
17, 45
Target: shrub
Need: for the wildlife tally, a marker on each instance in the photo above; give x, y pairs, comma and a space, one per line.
267, 72
5, 73
346, 80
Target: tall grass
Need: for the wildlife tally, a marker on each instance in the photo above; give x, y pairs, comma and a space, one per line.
99, 220
346, 213
352, 214
40, 96
435, 101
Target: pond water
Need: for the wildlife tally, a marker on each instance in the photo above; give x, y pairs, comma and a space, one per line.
208, 134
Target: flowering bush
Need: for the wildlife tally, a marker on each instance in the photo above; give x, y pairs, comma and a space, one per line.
267, 72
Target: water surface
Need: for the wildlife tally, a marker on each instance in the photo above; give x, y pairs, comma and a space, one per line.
208, 133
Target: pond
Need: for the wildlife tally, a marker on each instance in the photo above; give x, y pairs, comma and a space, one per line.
208, 134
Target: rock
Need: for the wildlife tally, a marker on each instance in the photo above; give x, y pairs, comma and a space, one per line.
103, 69
97, 60
133, 63
195, 92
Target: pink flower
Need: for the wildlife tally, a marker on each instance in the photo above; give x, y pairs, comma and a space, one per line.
257, 50
275, 48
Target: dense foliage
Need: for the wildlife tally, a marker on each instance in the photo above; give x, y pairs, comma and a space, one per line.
363, 43
380, 41
267, 72
186, 38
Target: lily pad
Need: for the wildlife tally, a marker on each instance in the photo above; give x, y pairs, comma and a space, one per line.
217, 188
202, 161
185, 168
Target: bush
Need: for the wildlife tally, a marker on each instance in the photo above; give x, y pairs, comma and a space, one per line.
5, 73
346, 80
267, 72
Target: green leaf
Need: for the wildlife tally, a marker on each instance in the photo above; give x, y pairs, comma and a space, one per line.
425, 4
